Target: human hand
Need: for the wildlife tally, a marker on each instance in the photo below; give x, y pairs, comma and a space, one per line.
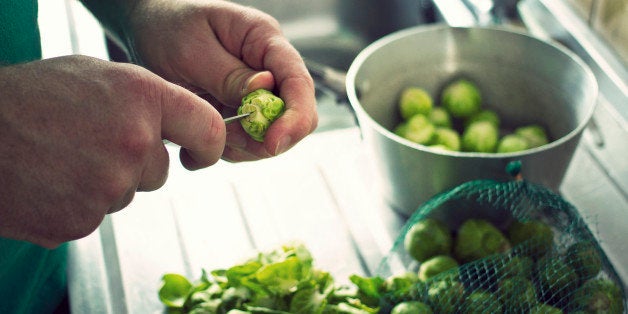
227, 50
81, 135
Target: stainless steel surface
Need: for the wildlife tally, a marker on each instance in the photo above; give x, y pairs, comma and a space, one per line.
334, 31
236, 117
522, 78
329, 77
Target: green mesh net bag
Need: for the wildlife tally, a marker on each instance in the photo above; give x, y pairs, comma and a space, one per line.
498, 247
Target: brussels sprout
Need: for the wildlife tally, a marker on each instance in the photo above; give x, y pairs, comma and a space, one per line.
481, 136
418, 129
537, 235
516, 266
479, 302
440, 117
478, 238
517, 294
534, 134
585, 259
555, 280
484, 115
543, 308
414, 101
265, 108
598, 296
401, 129
436, 265
426, 238
511, 143
448, 138
461, 98
411, 307
445, 296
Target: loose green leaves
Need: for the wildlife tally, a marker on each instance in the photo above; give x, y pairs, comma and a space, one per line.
279, 281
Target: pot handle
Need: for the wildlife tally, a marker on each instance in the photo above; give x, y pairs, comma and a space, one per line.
333, 79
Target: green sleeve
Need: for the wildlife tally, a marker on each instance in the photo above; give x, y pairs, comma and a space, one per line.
19, 33
32, 278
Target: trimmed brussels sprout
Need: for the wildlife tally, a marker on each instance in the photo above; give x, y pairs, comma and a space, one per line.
478, 238
585, 259
426, 238
479, 302
449, 138
411, 307
436, 265
534, 134
537, 235
484, 115
517, 294
413, 101
480, 137
598, 296
511, 143
461, 98
265, 108
440, 117
418, 129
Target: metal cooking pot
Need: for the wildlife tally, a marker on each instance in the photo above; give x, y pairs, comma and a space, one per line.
526, 80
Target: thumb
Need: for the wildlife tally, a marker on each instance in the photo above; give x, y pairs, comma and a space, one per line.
236, 86
195, 125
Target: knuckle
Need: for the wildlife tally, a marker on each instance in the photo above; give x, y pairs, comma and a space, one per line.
114, 189
136, 143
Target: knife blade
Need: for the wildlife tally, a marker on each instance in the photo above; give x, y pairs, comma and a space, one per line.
237, 117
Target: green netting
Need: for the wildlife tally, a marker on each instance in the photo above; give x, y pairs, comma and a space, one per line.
499, 247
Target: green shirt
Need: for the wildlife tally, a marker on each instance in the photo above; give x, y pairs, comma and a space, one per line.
32, 278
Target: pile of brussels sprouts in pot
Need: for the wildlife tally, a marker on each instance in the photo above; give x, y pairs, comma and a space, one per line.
460, 122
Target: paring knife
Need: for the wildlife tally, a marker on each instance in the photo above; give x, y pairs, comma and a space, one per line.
238, 117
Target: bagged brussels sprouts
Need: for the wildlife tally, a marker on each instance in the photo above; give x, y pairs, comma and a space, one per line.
520, 247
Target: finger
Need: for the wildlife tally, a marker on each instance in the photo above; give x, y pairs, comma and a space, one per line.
123, 202
228, 79
156, 169
234, 154
299, 119
192, 123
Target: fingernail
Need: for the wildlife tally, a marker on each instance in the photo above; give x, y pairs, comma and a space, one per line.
247, 83
283, 145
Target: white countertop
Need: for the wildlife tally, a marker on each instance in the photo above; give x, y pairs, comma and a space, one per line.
318, 193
